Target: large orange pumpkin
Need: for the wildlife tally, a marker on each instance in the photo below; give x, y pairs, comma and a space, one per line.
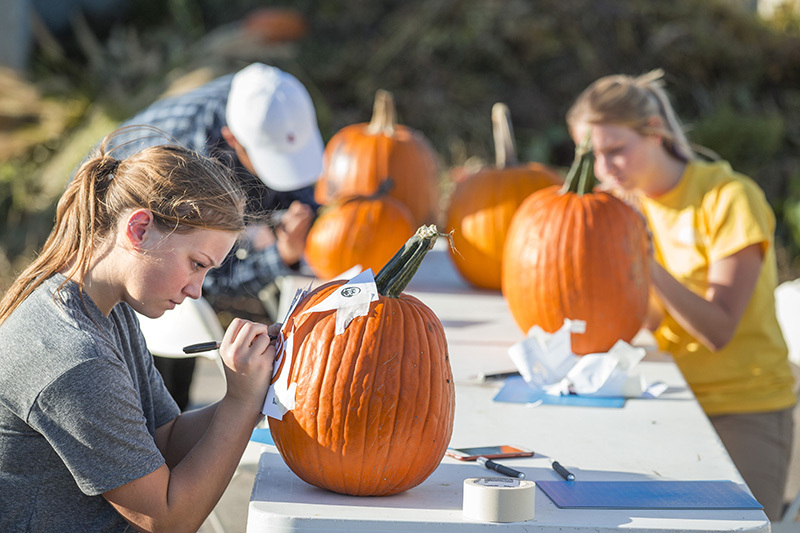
482, 205
577, 254
359, 157
374, 405
364, 231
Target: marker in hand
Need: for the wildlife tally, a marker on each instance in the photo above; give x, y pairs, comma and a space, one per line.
208, 346
497, 467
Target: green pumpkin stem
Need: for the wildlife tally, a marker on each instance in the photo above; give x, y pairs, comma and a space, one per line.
580, 178
398, 271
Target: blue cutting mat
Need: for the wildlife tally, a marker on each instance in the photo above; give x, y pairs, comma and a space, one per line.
515, 390
648, 495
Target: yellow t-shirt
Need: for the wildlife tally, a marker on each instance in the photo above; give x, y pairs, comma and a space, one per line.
712, 213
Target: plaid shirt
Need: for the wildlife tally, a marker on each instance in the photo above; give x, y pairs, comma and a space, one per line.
195, 120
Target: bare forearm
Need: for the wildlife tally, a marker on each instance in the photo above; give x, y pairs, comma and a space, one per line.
190, 426
202, 476
707, 322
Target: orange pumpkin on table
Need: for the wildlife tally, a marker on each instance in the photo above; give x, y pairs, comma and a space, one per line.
482, 205
576, 253
359, 157
374, 405
362, 230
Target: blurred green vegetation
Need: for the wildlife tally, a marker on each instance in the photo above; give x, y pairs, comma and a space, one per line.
734, 79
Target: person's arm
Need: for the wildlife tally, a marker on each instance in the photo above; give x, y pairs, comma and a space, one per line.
712, 318
292, 231
205, 447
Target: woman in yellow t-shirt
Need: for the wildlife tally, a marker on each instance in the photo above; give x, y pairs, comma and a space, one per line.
713, 271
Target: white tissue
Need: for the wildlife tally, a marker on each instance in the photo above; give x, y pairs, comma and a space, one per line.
546, 362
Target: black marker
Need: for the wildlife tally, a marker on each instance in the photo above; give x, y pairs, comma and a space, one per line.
563, 472
497, 467
208, 346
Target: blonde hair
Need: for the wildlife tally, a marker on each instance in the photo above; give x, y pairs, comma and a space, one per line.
183, 190
623, 100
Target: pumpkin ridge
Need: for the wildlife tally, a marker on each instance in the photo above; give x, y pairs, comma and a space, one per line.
563, 258
425, 363
402, 422
415, 369
400, 346
322, 420
370, 400
430, 392
349, 366
560, 223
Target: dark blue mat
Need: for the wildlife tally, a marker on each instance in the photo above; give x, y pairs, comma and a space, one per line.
650, 494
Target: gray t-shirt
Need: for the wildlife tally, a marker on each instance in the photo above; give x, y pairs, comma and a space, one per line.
80, 401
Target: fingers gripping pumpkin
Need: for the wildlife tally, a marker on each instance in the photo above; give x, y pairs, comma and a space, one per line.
374, 405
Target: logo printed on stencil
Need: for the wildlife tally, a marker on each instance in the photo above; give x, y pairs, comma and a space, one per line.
349, 292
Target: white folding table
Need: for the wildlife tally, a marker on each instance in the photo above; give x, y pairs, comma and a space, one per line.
667, 438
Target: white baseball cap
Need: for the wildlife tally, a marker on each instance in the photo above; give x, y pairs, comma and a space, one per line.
272, 116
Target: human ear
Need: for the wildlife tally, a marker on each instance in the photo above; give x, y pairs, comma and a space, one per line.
238, 149
227, 134
138, 227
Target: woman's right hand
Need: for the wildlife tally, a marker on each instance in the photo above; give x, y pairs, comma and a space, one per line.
248, 354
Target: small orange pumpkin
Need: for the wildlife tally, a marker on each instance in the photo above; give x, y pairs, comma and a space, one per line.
374, 405
577, 254
359, 157
482, 205
364, 231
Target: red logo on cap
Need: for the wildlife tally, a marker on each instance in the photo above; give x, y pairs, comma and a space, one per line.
290, 138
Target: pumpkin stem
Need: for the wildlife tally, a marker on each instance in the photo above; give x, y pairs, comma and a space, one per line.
398, 271
504, 148
582, 168
383, 114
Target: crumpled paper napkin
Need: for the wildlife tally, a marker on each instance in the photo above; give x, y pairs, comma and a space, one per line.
546, 362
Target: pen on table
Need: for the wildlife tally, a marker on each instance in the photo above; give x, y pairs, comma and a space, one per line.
563, 472
208, 346
497, 467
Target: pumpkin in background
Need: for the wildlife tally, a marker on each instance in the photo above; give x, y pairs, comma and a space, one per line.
482, 205
374, 405
359, 157
364, 231
275, 24
577, 254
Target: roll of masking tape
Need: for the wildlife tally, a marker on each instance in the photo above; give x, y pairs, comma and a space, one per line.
499, 499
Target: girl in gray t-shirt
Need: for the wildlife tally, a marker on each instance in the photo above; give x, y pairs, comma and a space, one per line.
90, 439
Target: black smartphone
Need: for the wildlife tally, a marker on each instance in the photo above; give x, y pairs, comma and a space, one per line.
490, 452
